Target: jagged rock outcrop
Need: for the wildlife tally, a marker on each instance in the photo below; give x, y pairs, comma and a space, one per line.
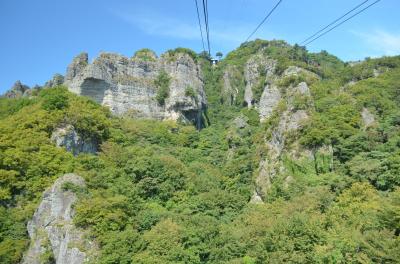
268, 102
129, 85
258, 68
367, 117
230, 90
57, 80
295, 70
54, 238
67, 137
291, 115
18, 90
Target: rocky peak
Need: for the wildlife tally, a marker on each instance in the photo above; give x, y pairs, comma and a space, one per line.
17, 90
77, 65
54, 238
130, 84
57, 79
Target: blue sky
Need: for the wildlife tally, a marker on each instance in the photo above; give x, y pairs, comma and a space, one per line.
40, 37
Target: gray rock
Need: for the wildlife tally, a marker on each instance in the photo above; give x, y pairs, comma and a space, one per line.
376, 72
269, 100
296, 120
240, 122
290, 120
256, 198
251, 75
17, 90
66, 136
57, 80
367, 117
302, 88
258, 66
295, 70
52, 230
77, 65
276, 146
229, 90
127, 85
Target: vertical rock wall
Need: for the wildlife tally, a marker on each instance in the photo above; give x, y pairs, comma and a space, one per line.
128, 85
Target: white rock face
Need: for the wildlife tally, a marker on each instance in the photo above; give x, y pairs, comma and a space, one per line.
51, 228
295, 70
257, 67
367, 117
302, 88
67, 137
127, 84
269, 100
291, 119
229, 90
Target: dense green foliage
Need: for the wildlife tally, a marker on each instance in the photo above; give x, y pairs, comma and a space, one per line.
162, 84
162, 192
173, 52
29, 161
145, 55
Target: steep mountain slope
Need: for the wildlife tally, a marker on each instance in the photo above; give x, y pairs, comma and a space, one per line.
299, 162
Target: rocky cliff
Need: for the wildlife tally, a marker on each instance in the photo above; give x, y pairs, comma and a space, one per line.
283, 102
54, 238
131, 86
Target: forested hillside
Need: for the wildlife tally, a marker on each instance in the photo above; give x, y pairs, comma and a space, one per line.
311, 177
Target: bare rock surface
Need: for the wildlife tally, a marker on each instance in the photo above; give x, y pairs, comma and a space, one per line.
128, 84
17, 90
230, 90
57, 79
367, 117
258, 68
269, 100
67, 137
54, 238
290, 119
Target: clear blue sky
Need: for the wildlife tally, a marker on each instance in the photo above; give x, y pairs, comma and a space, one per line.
40, 37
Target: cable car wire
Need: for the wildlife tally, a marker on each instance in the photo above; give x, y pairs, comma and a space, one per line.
265, 18
326, 32
205, 11
200, 27
330, 24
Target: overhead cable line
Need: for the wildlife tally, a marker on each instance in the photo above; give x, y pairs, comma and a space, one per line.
326, 32
208, 30
265, 18
205, 11
336, 20
200, 27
